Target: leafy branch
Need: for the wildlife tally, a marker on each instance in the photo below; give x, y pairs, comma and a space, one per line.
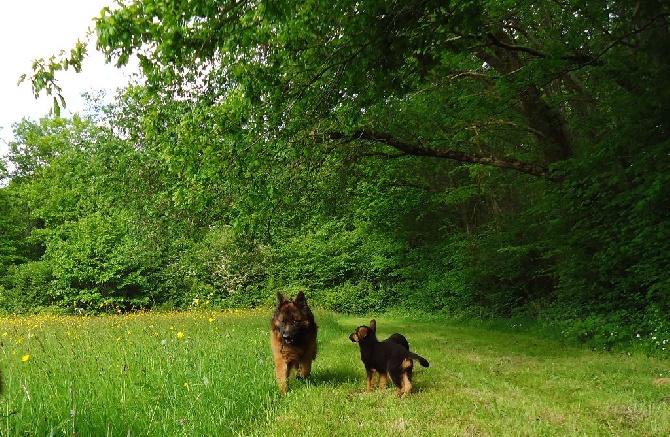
44, 74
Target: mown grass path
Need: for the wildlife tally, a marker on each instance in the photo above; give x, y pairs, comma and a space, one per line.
210, 374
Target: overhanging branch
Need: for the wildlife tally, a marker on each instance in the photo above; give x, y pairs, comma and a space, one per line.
458, 155
581, 59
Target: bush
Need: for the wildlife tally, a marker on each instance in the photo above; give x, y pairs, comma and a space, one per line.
220, 268
25, 287
97, 264
357, 298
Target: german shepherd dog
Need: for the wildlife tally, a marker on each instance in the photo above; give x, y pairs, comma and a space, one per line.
292, 338
389, 358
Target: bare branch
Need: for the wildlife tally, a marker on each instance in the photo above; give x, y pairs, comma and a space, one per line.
581, 59
497, 42
458, 155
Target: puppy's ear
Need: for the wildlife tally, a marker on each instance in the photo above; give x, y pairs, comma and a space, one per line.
300, 299
373, 325
280, 299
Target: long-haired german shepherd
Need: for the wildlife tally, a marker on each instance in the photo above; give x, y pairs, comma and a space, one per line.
292, 338
390, 357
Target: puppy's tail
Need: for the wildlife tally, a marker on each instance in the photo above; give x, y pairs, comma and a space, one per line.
424, 362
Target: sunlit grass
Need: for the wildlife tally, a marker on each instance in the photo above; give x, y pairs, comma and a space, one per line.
155, 374
208, 373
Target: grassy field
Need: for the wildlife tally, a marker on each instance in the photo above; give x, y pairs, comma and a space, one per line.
210, 374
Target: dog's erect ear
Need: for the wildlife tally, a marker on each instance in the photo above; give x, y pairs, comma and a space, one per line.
280, 299
373, 325
300, 299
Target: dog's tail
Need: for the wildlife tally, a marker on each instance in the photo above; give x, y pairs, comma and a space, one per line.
424, 362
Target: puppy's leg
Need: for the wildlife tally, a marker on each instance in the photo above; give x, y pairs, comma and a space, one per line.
406, 368
370, 375
406, 389
398, 371
396, 374
383, 378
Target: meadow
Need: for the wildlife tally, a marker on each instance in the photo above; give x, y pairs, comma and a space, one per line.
210, 373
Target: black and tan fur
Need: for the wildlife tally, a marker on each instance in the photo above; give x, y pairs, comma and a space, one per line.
292, 338
389, 358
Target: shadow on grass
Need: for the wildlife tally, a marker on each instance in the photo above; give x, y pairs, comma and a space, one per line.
330, 376
342, 376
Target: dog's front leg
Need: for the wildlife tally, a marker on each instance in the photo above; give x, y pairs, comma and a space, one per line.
282, 369
305, 368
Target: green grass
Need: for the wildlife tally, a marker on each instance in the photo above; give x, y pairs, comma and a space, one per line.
210, 374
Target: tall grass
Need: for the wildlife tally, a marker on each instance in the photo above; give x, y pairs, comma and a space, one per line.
145, 374
211, 374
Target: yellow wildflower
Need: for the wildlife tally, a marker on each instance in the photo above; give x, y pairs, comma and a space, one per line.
25, 358
180, 334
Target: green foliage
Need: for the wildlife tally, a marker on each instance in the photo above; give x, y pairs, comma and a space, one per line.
361, 297
98, 264
25, 288
220, 268
349, 266
435, 277
44, 74
12, 227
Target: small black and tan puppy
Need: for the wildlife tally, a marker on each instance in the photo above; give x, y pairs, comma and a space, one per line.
389, 358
